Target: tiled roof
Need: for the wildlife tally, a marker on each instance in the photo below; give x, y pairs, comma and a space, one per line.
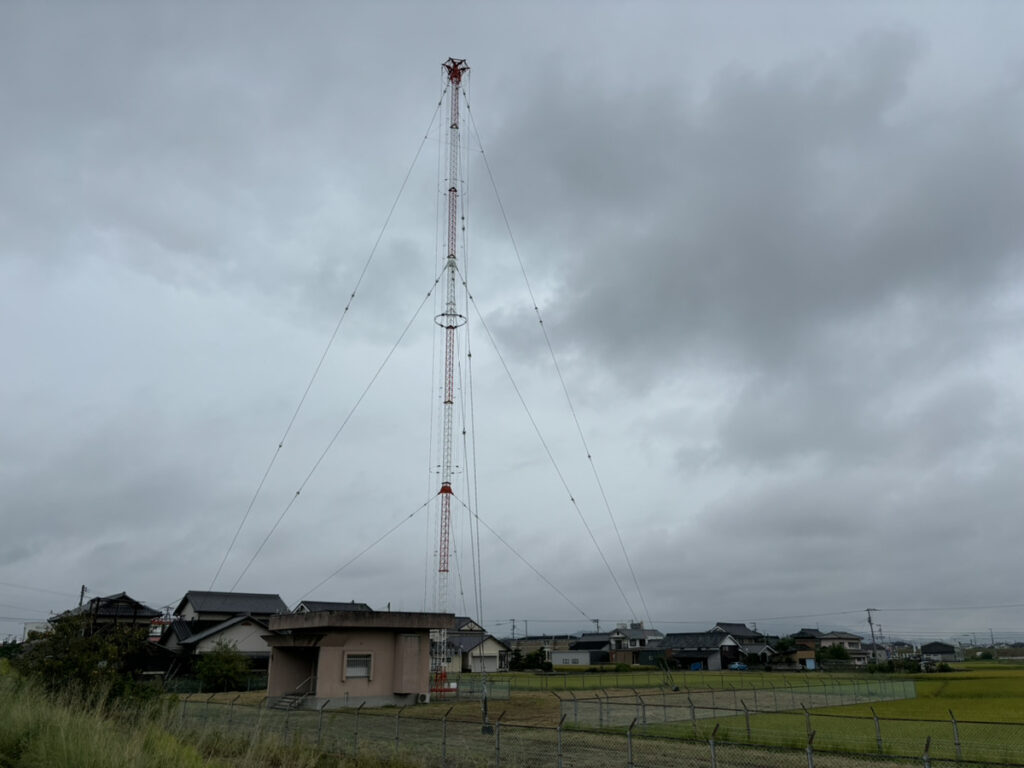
735, 629
690, 640
181, 629
118, 606
589, 645
636, 634
257, 604
805, 632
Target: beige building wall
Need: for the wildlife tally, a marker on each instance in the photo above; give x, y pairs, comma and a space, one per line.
375, 658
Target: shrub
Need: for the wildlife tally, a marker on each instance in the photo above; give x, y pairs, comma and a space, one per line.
70, 658
224, 668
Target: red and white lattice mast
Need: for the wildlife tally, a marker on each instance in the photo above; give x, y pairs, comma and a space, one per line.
449, 320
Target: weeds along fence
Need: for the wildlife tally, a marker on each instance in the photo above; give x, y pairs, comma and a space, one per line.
655, 678
254, 682
407, 737
608, 710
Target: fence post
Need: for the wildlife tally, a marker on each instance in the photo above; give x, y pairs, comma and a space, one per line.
735, 700
810, 750
878, 731
711, 743
775, 697
956, 736
693, 715
755, 699
320, 721
497, 740
444, 737
807, 715
746, 716
206, 710
355, 733
643, 709
560, 722
629, 744
575, 709
231, 710
184, 705
398, 717
259, 720
926, 757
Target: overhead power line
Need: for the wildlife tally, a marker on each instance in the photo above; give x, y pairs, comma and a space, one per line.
323, 355
337, 434
561, 377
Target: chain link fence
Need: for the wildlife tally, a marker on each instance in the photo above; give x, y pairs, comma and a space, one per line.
409, 736
602, 710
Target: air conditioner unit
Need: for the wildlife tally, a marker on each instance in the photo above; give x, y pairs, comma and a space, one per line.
422, 698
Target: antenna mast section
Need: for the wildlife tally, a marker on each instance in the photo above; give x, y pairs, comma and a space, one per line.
449, 320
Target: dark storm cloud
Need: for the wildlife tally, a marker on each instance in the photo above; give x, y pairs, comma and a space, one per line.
741, 224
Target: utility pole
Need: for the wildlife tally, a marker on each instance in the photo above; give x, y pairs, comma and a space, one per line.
874, 647
991, 637
448, 320
81, 596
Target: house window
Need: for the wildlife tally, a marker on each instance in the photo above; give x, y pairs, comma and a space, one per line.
358, 665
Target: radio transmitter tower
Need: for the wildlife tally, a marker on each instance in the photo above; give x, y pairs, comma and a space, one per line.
449, 320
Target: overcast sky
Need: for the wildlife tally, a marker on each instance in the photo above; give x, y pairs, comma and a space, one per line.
778, 249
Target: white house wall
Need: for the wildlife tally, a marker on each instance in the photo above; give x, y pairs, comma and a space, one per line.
570, 658
245, 636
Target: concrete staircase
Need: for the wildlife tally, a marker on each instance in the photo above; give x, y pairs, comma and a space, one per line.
291, 701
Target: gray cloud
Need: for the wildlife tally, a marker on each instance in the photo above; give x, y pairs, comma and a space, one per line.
782, 277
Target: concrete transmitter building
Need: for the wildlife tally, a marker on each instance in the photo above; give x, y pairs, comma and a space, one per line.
351, 657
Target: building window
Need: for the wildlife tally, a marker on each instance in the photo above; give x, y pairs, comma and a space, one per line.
358, 665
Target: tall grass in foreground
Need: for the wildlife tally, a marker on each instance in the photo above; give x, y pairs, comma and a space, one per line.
74, 731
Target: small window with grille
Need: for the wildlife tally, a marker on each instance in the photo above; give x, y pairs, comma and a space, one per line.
358, 665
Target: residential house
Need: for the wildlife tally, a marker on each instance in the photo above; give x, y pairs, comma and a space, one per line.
105, 614
477, 652
548, 644
472, 649
847, 640
350, 658
627, 640
244, 633
100, 613
754, 646
203, 619
853, 644
806, 641
693, 650
938, 652
589, 648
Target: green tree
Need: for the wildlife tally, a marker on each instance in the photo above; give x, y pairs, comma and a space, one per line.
833, 653
69, 657
225, 668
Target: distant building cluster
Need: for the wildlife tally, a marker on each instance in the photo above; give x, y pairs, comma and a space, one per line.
347, 654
